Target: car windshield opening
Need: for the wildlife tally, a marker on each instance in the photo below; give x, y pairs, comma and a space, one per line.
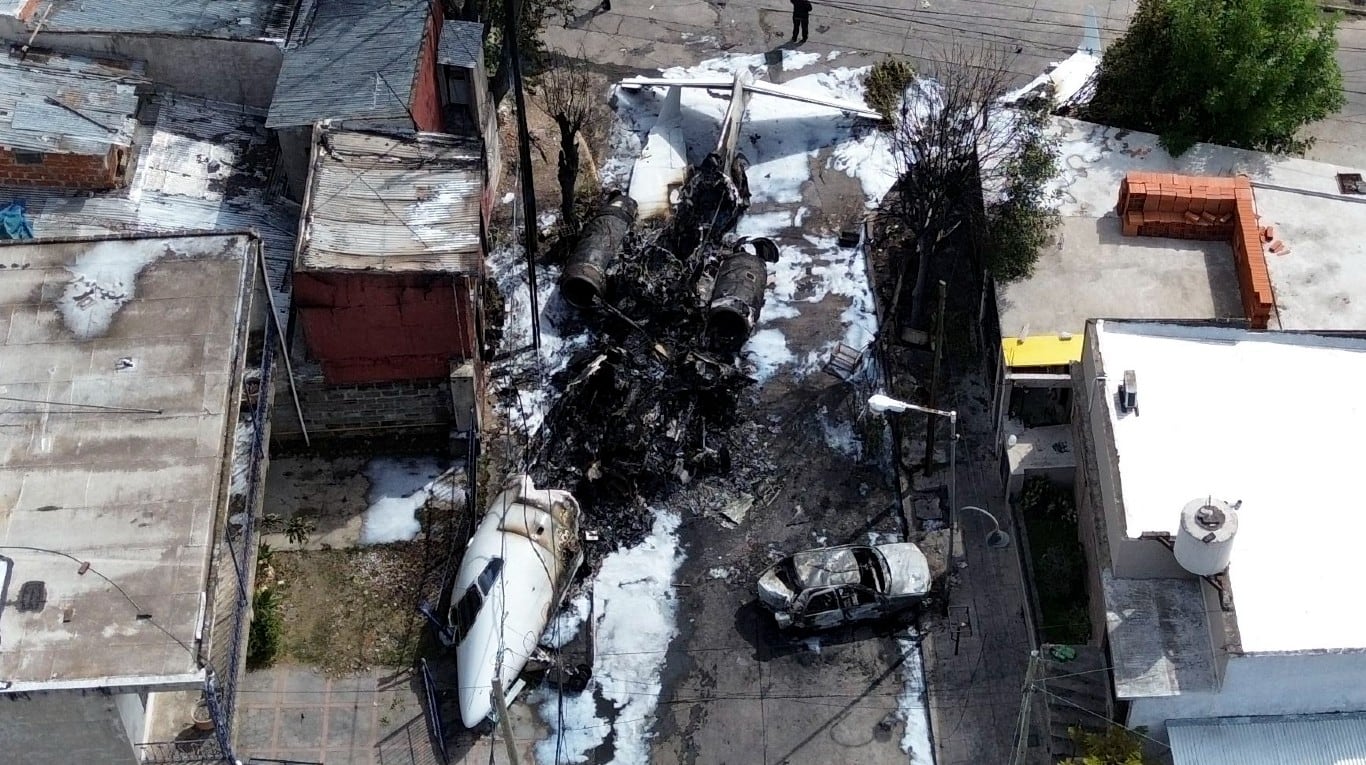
871, 574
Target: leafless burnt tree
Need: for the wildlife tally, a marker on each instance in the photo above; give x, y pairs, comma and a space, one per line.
575, 97
951, 138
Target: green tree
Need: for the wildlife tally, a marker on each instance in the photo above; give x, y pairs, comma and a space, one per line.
1113, 746
1245, 73
954, 137
1022, 222
532, 17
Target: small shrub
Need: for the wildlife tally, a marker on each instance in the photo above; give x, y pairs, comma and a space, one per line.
884, 85
1114, 746
299, 529
267, 630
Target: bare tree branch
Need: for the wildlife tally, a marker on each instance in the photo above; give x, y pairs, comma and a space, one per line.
573, 96
953, 134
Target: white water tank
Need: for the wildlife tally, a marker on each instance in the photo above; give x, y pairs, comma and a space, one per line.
1204, 542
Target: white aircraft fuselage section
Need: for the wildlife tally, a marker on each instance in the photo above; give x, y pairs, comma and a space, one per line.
510, 578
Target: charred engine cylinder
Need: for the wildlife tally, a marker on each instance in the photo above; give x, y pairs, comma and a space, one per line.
585, 273
738, 294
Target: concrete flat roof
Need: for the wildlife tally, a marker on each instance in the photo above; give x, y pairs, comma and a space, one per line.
1271, 419
119, 378
1159, 636
200, 166
1094, 271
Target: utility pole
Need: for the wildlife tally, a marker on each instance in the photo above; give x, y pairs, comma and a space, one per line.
512, 11
500, 705
934, 377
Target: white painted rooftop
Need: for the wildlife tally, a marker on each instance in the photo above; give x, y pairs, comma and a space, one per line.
1271, 419
1320, 284
118, 384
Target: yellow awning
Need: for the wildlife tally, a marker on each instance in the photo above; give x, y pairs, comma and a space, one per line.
1041, 350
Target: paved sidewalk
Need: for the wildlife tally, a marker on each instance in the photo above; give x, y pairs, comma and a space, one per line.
297, 713
975, 672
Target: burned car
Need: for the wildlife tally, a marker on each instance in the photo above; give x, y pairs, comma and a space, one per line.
830, 586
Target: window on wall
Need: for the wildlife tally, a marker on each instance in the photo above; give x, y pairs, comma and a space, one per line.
28, 157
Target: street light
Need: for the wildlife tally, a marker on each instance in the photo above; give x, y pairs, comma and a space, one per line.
996, 538
881, 403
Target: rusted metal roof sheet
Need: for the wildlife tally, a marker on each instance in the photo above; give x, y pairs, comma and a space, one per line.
382, 202
357, 59
52, 103
462, 44
226, 19
1327, 739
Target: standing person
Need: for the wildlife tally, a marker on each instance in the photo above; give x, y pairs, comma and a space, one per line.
801, 15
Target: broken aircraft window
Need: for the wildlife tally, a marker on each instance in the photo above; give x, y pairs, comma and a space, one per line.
466, 611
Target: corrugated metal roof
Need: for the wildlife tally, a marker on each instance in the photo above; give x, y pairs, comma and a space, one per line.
1329, 739
201, 166
462, 43
379, 202
358, 61
230, 19
97, 104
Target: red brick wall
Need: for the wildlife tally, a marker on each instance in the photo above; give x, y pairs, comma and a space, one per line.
66, 171
426, 104
367, 328
26, 10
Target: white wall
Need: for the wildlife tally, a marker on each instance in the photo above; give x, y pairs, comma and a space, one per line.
132, 709
1266, 684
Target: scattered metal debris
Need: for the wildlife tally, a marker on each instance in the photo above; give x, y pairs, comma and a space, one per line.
736, 510
650, 403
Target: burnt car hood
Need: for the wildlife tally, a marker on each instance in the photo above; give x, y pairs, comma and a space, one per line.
910, 572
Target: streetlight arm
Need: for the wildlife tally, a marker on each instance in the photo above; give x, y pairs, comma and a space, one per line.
995, 523
883, 403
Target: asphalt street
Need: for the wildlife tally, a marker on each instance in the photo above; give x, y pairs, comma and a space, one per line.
645, 35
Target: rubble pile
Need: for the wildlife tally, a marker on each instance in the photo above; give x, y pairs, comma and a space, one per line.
648, 405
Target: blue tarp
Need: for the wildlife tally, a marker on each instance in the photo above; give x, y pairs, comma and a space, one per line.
13, 224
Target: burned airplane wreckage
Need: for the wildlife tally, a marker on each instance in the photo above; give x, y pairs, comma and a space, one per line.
653, 402
647, 405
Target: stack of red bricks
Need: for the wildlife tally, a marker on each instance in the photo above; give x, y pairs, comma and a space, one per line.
1202, 207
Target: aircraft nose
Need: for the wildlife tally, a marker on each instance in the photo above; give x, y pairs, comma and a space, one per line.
476, 704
